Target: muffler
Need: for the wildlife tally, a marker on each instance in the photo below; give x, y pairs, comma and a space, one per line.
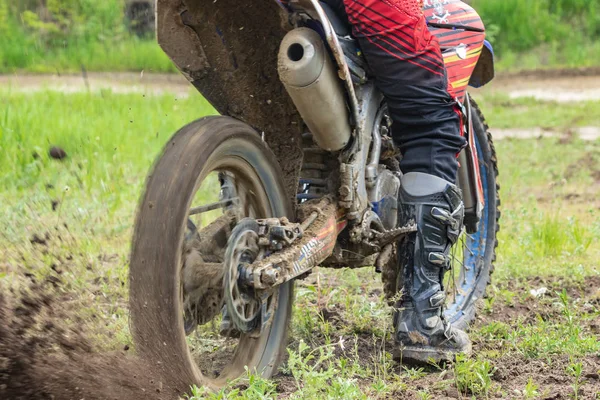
310, 78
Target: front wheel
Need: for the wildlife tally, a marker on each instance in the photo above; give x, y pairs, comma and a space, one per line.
472, 257
212, 174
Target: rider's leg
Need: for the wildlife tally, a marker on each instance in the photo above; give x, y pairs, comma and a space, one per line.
407, 63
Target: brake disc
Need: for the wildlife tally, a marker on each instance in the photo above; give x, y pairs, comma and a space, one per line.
243, 304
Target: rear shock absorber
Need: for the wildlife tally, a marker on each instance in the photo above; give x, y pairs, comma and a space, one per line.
313, 182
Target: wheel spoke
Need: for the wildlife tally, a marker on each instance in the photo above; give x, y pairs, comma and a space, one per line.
212, 206
468, 247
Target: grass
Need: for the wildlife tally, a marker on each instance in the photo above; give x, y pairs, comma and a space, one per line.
527, 112
550, 236
132, 54
74, 35
19, 51
542, 33
110, 141
550, 56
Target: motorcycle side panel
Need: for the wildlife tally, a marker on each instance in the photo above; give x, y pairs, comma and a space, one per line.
461, 48
228, 50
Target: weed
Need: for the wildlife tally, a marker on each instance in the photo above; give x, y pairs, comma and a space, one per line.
495, 330
575, 369
317, 375
508, 296
488, 305
473, 375
414, 373
531, 389
563, 335
567, 311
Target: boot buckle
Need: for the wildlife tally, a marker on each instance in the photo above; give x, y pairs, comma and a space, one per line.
437, 299
437, 259
442, 215
453, 220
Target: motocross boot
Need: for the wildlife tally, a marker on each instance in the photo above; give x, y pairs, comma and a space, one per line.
421, 332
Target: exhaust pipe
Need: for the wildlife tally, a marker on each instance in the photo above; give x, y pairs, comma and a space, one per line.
310, 78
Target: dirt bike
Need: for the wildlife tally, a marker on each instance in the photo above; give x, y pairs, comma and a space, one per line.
300, 170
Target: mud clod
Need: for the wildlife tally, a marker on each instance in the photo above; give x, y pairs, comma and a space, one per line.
57, 153
38, 239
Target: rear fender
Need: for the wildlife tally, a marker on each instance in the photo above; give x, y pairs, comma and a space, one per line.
228, 50
484, 71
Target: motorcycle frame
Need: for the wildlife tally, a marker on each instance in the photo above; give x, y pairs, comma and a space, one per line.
364, 101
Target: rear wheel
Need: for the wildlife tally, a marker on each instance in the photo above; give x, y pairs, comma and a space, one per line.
212, 174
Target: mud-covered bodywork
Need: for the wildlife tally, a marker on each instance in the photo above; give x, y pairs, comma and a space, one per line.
228, 51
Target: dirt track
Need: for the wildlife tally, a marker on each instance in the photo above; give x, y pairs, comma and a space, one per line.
117, 82
560, 86
555, 86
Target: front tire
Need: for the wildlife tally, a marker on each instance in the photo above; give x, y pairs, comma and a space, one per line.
205, 146
474, 254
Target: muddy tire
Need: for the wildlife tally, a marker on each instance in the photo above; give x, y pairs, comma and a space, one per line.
479, 249
208, 144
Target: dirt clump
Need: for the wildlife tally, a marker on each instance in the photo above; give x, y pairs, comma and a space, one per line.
40, 358
57, 153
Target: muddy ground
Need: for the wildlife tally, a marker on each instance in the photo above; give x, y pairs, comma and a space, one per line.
42, 357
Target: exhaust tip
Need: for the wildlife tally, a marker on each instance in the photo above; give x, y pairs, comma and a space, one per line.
295, 52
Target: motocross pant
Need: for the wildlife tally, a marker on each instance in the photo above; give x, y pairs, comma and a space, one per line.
406, 61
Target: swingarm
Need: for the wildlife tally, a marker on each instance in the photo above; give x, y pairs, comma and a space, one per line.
293, 249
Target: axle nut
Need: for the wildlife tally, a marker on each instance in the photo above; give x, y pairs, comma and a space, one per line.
269, 276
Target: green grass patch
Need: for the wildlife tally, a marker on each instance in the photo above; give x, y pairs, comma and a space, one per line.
542, 33
559, 330
525, 112
70, 35
110, 139
132, 54
550, 220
